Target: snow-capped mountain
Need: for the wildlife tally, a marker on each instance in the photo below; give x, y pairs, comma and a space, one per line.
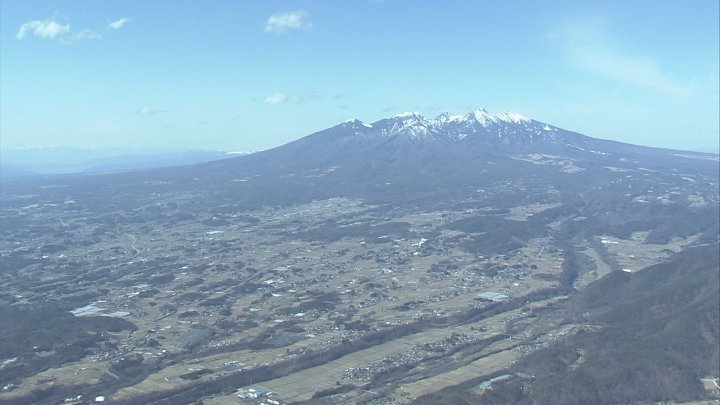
409, 157
446, 145
476, 127
475, 145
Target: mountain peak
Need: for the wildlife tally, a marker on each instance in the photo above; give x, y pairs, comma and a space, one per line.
476, 126
480, 110
512, 117
482, 116
355, 123
479, 114
447, 117
409, 114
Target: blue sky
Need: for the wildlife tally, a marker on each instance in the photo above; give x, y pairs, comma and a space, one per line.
250, 75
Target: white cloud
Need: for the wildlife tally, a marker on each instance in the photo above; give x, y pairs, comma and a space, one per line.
292, 20
282, 98
51, 29
277, 98
87, 34
79, 36
588, 46
116, 25
147, 110
43, 29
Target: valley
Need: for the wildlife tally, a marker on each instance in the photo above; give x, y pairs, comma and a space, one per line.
337, 279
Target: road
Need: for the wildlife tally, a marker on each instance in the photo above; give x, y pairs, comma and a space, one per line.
133, 246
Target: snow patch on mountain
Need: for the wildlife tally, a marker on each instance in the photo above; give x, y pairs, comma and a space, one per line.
477, 127
355, 121
458, 127
407, 114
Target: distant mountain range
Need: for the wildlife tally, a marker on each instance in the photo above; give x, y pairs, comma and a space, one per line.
409, 157
402, 138
475, 127
477, 131
24, 162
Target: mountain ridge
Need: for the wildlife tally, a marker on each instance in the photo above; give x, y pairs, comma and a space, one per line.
476, 123
506, 132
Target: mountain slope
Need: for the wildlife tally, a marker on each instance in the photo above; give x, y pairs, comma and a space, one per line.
658, 335
407, 158
411, 154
